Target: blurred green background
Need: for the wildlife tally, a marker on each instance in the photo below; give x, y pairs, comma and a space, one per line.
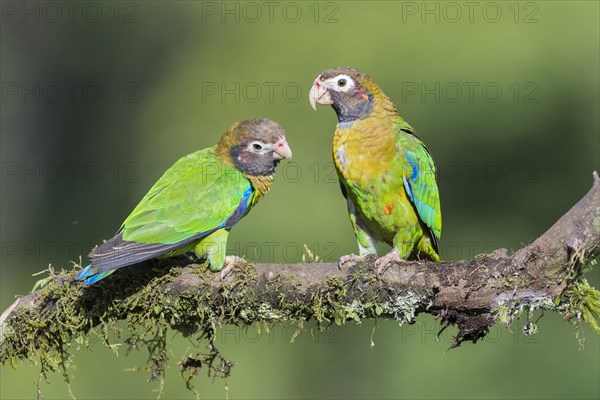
99, 98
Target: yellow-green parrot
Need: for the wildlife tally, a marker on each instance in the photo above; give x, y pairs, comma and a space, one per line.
386, 173
197, 201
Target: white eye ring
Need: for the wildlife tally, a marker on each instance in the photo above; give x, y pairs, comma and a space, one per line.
257, 146
340, 83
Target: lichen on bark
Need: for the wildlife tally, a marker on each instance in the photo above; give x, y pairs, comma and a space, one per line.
180, 294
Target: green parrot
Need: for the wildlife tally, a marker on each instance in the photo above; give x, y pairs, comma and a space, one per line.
197, 201
386, 173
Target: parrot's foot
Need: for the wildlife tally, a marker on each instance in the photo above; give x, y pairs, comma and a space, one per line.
382, 263
349, 258
230, 262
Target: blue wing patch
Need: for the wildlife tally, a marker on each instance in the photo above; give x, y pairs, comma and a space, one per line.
418, 191
241, 210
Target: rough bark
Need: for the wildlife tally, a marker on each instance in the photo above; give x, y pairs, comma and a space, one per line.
180, 294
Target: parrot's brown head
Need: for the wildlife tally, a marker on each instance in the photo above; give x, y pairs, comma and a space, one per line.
352, 93
254, 146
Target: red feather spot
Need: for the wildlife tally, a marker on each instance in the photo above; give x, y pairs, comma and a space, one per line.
279, 144
362, 94
388, 209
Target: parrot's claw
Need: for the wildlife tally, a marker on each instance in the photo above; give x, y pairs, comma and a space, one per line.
382, 263
349, 258
230, 262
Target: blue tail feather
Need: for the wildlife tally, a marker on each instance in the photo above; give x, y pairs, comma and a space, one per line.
84, 273
90, 276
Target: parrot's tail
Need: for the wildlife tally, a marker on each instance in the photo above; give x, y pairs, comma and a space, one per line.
90, 275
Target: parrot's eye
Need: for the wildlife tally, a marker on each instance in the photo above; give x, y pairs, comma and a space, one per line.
340, 83
257, 146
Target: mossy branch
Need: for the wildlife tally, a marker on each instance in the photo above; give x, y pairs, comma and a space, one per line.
472, 294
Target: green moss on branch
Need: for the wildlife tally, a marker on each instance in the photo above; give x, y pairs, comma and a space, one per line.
157, 296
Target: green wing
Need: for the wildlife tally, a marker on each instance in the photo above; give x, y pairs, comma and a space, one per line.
196, 196
420, 184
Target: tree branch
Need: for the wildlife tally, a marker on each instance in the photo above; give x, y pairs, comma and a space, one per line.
472, 294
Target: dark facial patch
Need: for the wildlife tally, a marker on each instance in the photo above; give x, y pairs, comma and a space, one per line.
245, 156
251, 163
354, 104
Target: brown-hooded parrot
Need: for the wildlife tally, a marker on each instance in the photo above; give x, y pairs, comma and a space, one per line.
386, 173
197, 201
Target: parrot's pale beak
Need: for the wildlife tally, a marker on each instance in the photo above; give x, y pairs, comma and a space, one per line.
282, 150
319, 94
